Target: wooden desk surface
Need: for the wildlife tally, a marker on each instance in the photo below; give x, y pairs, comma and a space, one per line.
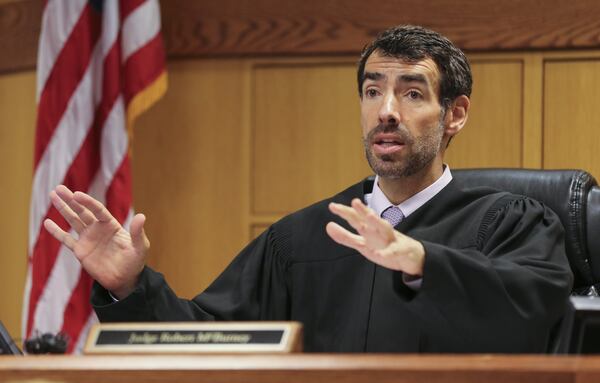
338, 368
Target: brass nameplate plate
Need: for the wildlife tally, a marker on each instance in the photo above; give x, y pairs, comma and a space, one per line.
194, 337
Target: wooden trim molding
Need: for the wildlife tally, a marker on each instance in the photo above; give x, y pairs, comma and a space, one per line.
20, 24
302, 368
237, 28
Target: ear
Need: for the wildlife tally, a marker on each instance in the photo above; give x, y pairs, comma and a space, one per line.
456, 115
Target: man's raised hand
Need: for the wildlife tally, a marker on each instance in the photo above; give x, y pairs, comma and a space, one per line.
111, 255
376, 239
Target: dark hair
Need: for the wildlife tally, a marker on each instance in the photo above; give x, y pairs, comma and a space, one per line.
414, 43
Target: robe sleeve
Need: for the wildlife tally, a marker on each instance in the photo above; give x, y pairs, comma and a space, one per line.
253, 287
504, 293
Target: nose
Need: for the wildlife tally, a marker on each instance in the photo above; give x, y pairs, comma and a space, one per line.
389, 112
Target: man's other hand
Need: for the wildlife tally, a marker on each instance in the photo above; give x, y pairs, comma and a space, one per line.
110, 254
376, 239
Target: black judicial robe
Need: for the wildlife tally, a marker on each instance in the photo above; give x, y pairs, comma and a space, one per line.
496, 279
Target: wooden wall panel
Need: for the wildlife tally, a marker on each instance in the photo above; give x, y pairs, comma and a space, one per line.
306, 136
493, 133
17, 122
187, 166
571, 118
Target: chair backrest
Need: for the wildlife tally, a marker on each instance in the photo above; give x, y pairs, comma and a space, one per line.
573, 194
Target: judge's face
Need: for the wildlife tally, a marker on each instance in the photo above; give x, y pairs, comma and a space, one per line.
401, 116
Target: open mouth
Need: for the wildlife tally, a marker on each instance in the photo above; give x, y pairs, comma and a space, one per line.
387, 144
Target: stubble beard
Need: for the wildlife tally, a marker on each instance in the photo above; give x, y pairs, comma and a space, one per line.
422, 151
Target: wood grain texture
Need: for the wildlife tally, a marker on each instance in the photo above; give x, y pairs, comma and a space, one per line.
20, 25
571, 118
187, 165
533, 92
492, 135
17, 126
306, 135
344, 26
313, 27
304, 368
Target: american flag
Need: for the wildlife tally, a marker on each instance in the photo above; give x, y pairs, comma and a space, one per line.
100, 65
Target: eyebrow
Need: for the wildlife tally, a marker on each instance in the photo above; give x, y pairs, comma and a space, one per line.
416, 77
411, 77
374, 76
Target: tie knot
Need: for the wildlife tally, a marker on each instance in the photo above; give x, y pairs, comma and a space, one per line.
393, 215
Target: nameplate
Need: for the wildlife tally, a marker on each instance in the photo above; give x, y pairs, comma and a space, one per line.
194, 337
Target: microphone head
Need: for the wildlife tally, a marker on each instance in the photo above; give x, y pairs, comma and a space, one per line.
47, 343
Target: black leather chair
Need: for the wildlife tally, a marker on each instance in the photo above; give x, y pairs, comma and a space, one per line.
573, 194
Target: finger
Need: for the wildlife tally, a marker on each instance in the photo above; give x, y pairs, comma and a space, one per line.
349, 214
373, 222
84, 214
367, 213
138, 235
379, 225
361, 208
58, 233
344, 237
64, 191
67, 195
64, 210
99, 211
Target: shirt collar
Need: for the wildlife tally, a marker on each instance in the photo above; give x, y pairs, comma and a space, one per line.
377, 201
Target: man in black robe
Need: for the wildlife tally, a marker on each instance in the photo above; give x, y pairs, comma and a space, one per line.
410, 261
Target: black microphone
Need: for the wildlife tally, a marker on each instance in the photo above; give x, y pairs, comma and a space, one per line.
47, 343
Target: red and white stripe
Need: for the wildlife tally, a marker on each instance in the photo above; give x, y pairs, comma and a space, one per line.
98, 69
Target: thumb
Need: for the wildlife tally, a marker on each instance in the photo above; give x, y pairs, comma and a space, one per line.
138, 235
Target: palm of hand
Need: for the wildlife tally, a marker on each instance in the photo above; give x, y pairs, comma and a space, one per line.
106, 251
385, 246
377, 238
110, 254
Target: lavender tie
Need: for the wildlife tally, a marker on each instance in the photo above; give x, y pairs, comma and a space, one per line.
393, 215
